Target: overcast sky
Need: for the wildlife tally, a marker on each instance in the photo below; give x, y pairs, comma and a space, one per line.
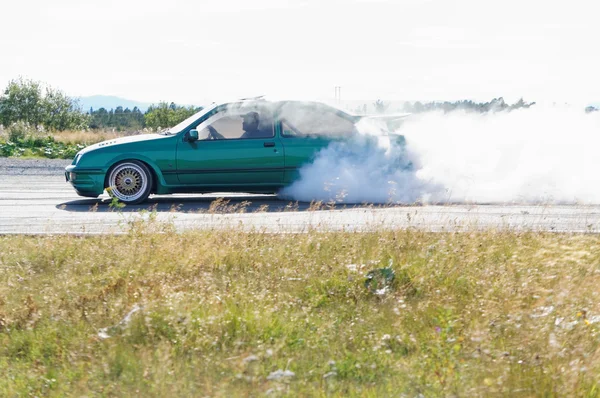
188, 51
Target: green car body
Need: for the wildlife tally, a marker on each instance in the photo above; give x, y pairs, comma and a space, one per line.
206, 152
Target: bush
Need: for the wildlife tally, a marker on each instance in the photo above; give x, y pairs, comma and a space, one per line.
10, 149
18, 131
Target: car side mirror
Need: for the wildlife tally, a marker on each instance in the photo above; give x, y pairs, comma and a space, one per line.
195, 135
192, 136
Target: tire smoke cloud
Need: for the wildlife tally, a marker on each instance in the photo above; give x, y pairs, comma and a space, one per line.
535, 155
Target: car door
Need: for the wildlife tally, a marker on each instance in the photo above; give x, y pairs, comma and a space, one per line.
228, 157
306, 129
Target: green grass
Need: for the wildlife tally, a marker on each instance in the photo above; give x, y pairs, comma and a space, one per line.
468, 314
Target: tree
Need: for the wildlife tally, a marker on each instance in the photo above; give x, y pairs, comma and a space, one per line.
40, 105
138, 116
62, 113
380, 106
23, 100
418, 107
98, 118
119, 121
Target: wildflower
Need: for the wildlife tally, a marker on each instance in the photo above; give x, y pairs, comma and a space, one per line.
250, 358
279, 374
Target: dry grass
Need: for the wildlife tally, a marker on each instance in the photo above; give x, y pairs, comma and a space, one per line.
489, 313
86, 137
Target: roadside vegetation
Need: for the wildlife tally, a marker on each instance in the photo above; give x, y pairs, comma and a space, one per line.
22, 140
159, 313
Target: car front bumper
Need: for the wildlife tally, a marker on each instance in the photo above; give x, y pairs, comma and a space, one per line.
87, 182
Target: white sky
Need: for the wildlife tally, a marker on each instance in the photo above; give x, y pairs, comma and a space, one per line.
188, 51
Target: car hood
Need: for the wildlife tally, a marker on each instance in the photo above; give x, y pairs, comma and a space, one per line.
124, 140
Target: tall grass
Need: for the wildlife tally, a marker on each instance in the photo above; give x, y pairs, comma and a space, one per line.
157, 313
87, 137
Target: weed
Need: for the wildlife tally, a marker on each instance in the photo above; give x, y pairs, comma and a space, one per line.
115, 203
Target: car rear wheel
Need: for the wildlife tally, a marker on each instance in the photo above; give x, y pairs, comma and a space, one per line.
130, 182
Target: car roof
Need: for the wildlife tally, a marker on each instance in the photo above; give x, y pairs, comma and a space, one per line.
276, 104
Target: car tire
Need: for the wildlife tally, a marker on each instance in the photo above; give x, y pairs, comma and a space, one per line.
129, 181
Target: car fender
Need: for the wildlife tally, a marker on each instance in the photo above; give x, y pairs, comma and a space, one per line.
160, 183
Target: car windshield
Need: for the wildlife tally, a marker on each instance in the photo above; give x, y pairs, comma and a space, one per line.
177, 128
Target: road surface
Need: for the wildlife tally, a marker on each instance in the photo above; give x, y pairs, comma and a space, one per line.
35, 199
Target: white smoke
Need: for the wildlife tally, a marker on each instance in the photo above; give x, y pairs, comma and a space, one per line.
370, 167
534, 155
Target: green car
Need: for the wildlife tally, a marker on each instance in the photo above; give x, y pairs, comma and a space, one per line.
252, 146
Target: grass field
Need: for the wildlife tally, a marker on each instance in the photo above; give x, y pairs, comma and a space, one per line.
157, 313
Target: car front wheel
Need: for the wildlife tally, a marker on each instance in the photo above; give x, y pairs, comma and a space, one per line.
130, 182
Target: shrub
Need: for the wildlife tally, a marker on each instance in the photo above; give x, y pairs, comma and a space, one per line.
18, 131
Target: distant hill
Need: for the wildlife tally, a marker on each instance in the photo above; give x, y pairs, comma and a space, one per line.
110, 102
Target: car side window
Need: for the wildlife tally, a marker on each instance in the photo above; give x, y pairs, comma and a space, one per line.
287, 130
302, 122
251, 124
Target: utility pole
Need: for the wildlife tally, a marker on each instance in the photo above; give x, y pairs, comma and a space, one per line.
338, 94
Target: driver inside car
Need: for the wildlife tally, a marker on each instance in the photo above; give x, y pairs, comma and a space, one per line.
250, 125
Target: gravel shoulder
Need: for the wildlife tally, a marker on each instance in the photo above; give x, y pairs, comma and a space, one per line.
16, 166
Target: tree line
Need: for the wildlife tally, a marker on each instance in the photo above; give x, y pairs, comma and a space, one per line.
44, 107
156, 116
495, 105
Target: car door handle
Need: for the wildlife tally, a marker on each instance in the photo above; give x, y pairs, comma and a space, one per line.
269, 144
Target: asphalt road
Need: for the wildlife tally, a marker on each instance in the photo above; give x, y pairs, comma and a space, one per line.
35, 199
